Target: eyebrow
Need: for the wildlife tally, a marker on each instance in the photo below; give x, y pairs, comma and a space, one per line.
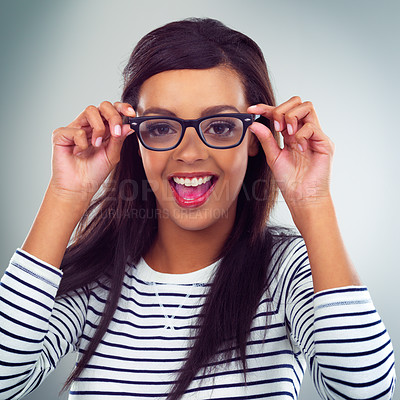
208, 111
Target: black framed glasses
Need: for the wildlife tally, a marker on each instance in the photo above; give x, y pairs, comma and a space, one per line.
220, 131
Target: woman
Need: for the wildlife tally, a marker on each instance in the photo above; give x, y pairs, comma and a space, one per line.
174, 285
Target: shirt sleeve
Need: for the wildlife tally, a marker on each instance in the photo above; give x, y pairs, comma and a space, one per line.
36, 330
346, 345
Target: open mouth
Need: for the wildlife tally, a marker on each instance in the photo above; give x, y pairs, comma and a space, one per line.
192, 191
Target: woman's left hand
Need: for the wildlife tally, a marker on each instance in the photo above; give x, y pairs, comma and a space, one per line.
302, 168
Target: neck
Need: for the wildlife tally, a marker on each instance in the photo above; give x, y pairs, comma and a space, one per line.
178, 251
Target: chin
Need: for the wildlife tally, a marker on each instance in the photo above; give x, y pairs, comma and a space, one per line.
196, 219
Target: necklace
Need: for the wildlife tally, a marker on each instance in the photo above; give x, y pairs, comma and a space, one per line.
170, 318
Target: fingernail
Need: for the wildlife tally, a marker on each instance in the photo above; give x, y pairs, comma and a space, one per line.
277, 126
290, 129
131, 110
98, 141
300, 147
253, 107
117, 130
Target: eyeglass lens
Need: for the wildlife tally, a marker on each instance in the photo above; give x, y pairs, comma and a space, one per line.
217, 131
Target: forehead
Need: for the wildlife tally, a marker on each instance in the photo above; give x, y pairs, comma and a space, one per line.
187, 92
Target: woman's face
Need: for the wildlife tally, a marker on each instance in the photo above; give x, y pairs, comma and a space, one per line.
218, 173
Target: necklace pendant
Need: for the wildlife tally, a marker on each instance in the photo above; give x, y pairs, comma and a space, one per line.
170, 318
170, 322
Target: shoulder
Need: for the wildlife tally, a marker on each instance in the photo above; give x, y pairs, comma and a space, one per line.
289, 262
104, 285
287, 251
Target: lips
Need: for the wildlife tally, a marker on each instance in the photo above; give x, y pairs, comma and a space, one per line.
192, 190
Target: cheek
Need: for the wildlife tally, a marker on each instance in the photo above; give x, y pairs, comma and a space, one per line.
154, 164
235, 166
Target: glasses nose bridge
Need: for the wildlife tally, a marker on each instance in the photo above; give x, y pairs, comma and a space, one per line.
190, 123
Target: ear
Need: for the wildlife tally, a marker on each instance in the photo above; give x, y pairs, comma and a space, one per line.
253, 144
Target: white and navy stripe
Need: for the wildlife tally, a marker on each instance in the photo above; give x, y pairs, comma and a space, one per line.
336, 333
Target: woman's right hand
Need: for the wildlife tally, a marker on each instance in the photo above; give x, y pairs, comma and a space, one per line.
87, 150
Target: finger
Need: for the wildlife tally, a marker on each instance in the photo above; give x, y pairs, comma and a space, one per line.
311, 136
125, 108
113, 114
262, 109
299, 115
69, 137
289, 140
268, 142
91, 118
120, 131
114, 146
276, 114
113, 118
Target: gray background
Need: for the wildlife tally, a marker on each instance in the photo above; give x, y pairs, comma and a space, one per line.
57, 57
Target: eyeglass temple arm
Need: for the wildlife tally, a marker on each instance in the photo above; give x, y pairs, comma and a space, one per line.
263, 120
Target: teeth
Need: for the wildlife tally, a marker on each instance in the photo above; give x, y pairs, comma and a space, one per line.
192, 182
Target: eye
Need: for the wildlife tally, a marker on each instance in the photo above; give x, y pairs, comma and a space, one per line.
220, 128
160, 129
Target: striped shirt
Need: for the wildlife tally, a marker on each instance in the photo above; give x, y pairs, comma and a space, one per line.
336, 333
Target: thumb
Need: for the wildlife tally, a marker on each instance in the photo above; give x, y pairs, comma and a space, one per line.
268, 142
113, 149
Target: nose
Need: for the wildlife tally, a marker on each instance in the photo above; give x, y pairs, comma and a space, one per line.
191, 148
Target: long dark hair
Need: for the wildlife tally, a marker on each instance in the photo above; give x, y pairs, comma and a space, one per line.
112, 229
